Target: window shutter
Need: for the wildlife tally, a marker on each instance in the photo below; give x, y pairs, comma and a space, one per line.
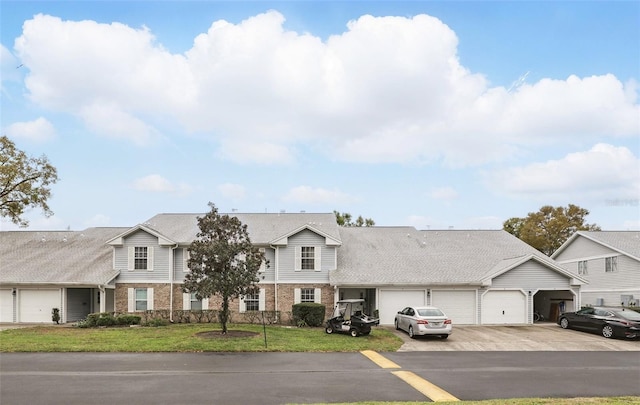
317, 295
317, 261
185, 260
150, 258
296, 296
205, 303
186, 301
130, 258
261, 300
243, 306
149, 299
132, 300
298, 258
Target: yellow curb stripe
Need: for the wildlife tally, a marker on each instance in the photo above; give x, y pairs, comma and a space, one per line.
379, 359
433, 392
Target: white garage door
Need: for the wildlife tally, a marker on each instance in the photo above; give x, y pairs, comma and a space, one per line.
6, 306
36, 305
503, 307
392, 301
459, 305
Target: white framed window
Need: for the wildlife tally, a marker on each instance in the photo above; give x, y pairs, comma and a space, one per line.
611, 264
140, 299
307, 295
253, 302
307, 258
190, 302
140, 258
582, 267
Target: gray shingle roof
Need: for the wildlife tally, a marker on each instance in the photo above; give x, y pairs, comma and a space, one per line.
57, 257
627, 242
404, 255
263, 227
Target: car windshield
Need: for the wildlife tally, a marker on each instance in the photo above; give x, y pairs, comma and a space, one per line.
630, 315
430, 312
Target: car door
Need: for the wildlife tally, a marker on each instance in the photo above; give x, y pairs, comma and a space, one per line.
402, 319
584, 319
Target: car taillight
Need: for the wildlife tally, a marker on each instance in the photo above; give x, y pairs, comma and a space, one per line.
447, 321
422, 322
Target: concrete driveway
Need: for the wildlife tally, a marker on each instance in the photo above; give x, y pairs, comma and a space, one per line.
537, 337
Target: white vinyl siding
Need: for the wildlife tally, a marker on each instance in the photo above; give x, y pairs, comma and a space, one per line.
261, 301
132, 257
136, 299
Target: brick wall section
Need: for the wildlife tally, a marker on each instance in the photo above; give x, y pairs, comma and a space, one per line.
161, 298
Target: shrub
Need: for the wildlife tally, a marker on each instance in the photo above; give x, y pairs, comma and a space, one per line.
308, 314
127, 319
157, 322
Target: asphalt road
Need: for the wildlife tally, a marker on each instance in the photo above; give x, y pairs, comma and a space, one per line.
279, 378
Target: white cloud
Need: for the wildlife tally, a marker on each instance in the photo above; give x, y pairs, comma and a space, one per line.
9, 70
310, 195
234, 192
388, 89
604, 172
39, 130
158, 184
443, 193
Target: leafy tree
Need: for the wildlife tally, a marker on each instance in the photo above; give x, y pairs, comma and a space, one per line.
24, 182
547, 229
222, 261
345, 219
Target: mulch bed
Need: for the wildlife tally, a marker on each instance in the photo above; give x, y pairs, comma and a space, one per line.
217, 334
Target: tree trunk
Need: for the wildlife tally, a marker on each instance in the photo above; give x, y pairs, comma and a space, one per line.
224, 315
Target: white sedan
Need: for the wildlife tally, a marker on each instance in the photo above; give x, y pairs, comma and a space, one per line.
418, 321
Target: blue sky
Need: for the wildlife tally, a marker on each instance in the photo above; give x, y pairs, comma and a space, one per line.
432, 114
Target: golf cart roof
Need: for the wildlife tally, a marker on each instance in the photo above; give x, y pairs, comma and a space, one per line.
350, 301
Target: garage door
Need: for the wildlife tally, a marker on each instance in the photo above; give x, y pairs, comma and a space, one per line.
392, 301
36, 305
503, 307
459, 305
6, 306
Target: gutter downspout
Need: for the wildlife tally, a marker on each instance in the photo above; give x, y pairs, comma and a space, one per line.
171, 268
275, 279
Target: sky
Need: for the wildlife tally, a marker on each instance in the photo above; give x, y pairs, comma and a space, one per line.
433, 114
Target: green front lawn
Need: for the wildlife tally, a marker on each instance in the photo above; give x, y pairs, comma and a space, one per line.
183, 338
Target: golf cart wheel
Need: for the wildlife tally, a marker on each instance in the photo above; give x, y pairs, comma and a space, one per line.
607, 331
329, 330
354, 332
411, 335
564, 323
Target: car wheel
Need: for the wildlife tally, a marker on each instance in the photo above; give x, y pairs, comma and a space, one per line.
564, 323
444, 336
397, 326
607, 331
411, 335
354, 332
329, 330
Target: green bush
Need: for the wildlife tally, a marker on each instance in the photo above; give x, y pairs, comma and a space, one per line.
157, 322
128, 320
308, 313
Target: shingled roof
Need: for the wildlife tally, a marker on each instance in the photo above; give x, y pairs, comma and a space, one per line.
57, 257
405, 256
264, 228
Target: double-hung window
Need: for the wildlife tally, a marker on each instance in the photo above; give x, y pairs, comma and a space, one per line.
196, 304
307, 258
307, 295
611, 264
141, 299
140, 257
252, 302
582, 268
